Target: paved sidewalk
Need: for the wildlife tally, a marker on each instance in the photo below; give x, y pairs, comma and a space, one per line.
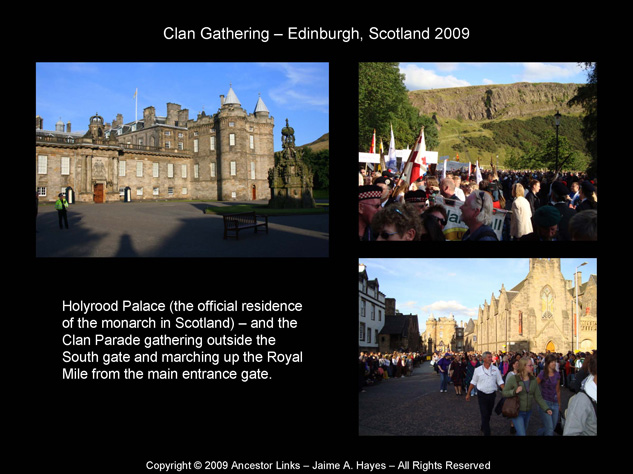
414, 406
172, 229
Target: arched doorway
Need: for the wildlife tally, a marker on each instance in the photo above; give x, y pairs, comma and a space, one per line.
254, 192
550, 347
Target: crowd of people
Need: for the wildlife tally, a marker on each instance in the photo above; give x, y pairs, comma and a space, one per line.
536, 206
374, 367
536, 378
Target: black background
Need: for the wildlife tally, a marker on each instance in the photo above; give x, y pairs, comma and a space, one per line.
307, 412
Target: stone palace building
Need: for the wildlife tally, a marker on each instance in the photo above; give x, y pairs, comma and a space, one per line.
224, 156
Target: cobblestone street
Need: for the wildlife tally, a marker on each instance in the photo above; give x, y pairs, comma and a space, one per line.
414, 406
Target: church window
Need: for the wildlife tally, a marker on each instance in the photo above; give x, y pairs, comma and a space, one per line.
547, 303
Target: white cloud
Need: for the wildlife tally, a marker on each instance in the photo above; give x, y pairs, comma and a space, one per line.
417, 77
538, 72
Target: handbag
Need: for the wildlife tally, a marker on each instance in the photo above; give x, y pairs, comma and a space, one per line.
510, 407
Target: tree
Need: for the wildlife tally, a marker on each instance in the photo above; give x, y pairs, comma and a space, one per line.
587, 96
383, 102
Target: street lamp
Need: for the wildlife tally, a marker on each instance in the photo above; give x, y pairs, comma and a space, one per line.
557, 121
577, 316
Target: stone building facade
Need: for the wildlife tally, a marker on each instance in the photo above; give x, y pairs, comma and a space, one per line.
224, 156
440, 334
538, 314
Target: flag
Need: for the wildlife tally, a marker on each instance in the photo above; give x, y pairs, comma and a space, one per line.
135, 92
381, 166
372, 148
478, 177
391, 162
416, 164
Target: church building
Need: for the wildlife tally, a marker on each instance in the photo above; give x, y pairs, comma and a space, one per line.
539, 314
223, 156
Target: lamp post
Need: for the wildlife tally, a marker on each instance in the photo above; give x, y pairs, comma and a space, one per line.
577, 317
557, 122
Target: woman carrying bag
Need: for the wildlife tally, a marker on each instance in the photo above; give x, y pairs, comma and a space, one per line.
524, 385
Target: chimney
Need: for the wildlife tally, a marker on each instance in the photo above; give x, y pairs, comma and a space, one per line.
68, 127
221, 100
578, 280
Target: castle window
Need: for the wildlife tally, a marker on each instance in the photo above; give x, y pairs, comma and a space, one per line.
42, 164
155, 191
184, 191
170, 170
139, 169
155, 170
233, 168
231, 139
547, 303
213, 170
170, 191
195, 145
65, 165
361, 335
252, 170
212, 143
196, 170
251, 139
183, 171
121, 168
139, 191
181, 146
167, 145
231, 124
41, 191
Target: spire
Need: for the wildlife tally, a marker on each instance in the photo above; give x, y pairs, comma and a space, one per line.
231, 98
260, 107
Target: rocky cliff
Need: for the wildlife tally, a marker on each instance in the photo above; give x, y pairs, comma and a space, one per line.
501, 101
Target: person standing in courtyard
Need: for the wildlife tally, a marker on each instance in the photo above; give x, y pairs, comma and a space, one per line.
62, 205
486, 379
443, 366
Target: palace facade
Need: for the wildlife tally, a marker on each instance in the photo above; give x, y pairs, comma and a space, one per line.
224, 156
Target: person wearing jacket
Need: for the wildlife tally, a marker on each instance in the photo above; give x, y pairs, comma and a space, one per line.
524, 384
581, 417
443, 366
61, 205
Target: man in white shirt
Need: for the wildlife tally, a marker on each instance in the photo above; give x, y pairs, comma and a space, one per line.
486, 379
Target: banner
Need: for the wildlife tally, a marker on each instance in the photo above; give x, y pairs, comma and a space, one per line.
455, 228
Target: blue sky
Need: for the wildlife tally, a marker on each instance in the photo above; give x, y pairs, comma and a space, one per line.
76, 91
442, 75
455, 286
